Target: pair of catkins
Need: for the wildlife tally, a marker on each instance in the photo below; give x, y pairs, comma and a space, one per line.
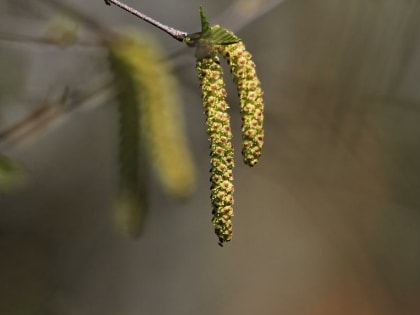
140, 76
210, 42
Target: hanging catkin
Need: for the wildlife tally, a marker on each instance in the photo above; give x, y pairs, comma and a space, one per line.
132, 195
220, 136
151, 126
160, 113
250, 96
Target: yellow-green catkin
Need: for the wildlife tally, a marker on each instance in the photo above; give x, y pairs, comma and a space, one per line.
210, 75
251, 99
131, 203
160, 114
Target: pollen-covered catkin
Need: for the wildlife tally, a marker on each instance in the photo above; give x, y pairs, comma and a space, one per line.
251, 99
131, 204
160, 114
210, 75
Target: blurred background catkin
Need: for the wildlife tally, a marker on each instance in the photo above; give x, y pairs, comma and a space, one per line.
326, 223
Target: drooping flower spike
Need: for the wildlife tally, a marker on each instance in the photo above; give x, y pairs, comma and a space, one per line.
160, 114
250, 96
212, 85
151, 121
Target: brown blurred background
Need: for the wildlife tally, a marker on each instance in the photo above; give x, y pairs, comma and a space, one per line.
327, 222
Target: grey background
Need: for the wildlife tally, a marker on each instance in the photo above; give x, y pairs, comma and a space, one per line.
326, 223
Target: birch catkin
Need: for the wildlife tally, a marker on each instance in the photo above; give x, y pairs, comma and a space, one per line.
160, 115
131, 205
220, 136
250, 96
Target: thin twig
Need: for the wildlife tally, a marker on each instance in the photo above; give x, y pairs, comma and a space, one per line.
177, 34
26, 39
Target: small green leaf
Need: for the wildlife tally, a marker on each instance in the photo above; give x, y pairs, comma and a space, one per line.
221, 36
205, 25
210, 36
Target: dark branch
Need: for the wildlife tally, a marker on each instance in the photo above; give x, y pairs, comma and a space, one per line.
178, 35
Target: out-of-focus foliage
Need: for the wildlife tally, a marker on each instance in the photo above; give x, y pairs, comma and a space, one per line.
12, 175
11, 79
62, 31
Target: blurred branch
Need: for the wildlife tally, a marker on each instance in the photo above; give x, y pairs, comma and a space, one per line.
80, 16
52, 114
24, 39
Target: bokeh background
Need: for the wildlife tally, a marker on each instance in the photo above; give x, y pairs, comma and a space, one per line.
327, 223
